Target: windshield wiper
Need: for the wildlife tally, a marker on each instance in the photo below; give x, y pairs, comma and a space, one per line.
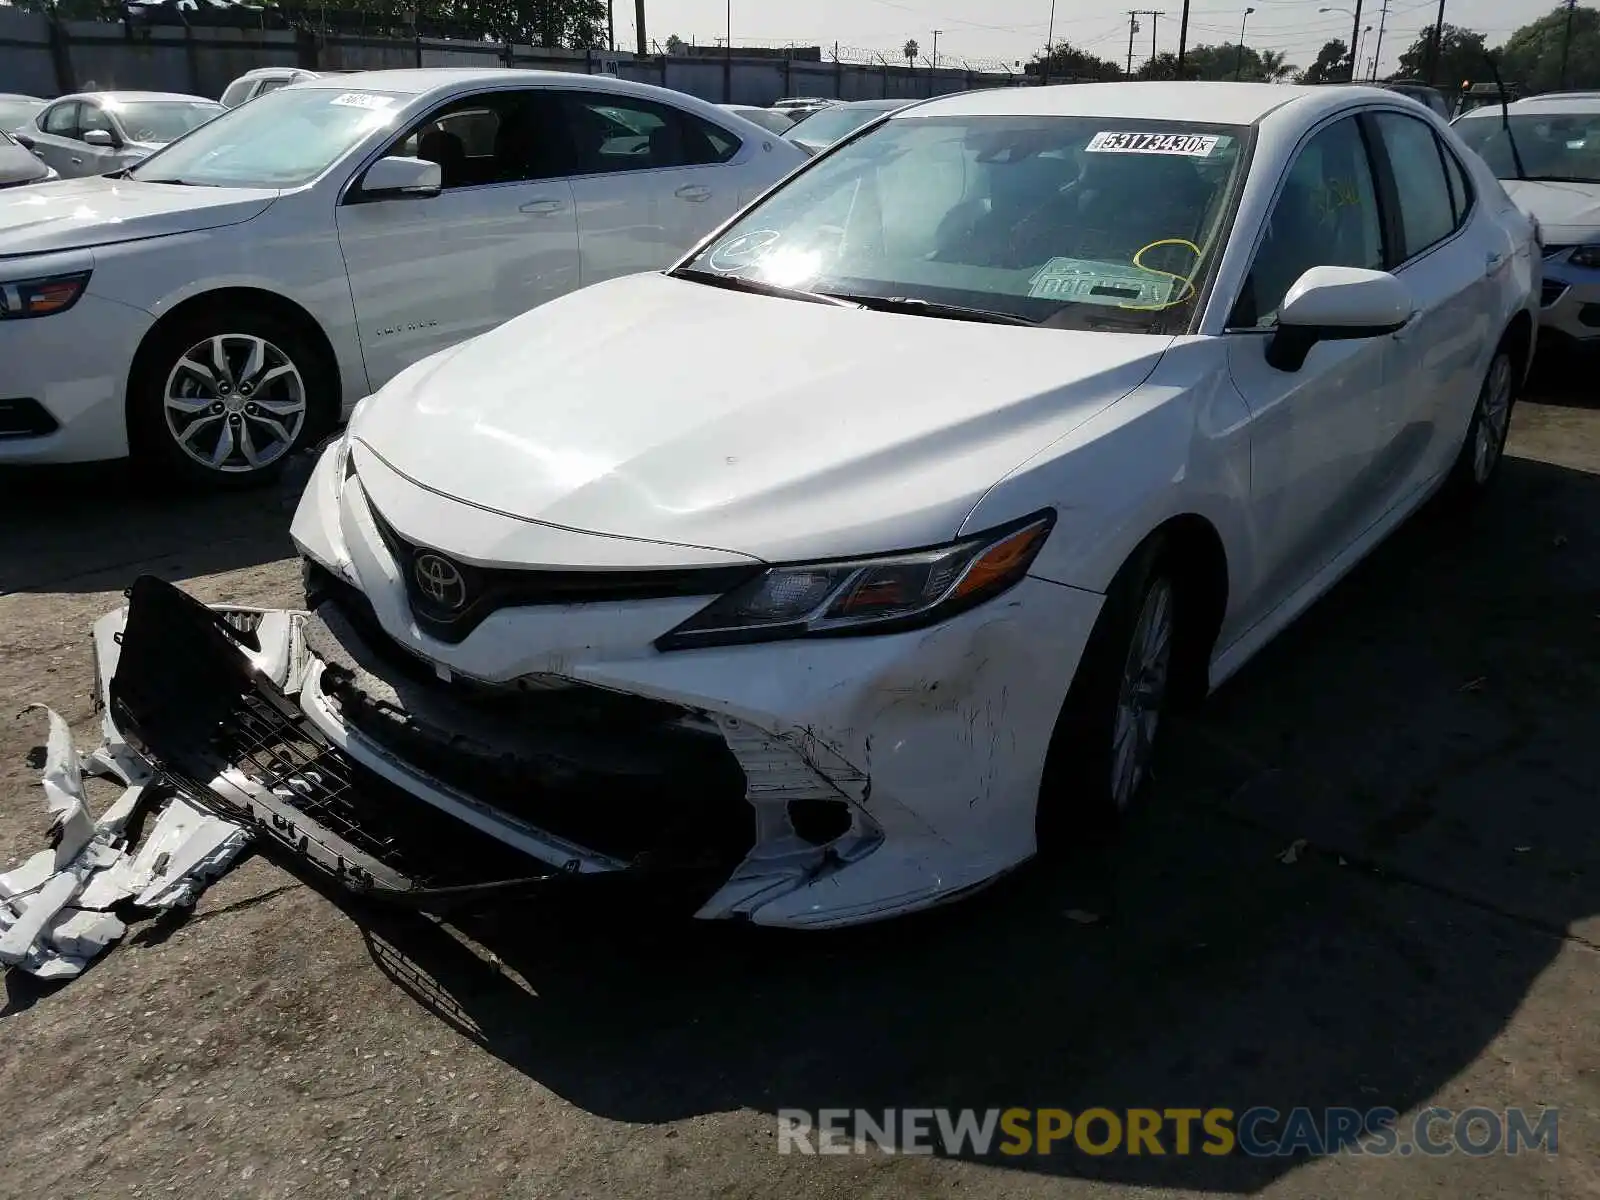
931, 308
735, 283
173, 180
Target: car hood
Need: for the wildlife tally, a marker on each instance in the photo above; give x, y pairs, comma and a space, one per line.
18, 166
97, 211
1567, 212
662, 409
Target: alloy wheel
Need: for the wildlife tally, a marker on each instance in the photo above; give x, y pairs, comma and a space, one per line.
235, 403
1494, 416
1142, 693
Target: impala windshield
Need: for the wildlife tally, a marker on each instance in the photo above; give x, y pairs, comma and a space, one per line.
1078, 222
277, 141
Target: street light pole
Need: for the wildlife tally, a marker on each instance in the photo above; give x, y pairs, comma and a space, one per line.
1238, 59
1377, 53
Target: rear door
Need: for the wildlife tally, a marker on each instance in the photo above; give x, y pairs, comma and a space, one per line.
500, 238
652, 181
1316, 433
1449, 264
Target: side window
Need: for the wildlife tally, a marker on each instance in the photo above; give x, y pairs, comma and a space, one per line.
1427, 215
92, 116
270, 85
500, 137
236, 92
1460, 185
1326, 215
619, 133
61, 120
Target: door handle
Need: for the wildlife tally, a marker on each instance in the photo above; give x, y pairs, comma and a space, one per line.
76, 161
694, 193
543, 208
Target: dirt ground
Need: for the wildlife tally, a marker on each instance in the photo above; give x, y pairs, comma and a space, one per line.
1430, 730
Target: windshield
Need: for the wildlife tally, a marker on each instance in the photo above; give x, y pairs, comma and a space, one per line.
1075, 222
828, 125
277, 141
162, 121
14, 113
1559, 146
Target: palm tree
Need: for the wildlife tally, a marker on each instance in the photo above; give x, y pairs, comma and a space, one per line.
1275, 66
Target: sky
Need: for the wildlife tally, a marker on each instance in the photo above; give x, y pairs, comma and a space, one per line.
996, 31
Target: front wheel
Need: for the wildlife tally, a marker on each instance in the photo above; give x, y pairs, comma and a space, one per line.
223, 399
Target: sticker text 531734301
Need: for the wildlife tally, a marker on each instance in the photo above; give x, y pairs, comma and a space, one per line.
1192, 145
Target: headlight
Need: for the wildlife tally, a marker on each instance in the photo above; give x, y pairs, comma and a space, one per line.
1585, 256
40, 297
882, 594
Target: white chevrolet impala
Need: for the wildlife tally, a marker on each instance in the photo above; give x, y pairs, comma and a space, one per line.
851, 561
229, 297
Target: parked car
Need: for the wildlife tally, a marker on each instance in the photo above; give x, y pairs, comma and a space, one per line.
96, 133
819, 130
1545, 150
1474, 96
801, 106
773, 120
18, 166
261, 81
236, 293
1081, 395
17, 110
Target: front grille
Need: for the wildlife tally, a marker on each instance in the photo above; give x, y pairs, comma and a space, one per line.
450, 616
1550, 292
24, 417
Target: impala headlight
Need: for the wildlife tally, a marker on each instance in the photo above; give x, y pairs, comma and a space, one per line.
40, 297
1586, 256
881, 594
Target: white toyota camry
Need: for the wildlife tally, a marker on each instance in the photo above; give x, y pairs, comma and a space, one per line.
234, 294
857, 557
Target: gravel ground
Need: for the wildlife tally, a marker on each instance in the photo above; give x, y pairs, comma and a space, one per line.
1428, 730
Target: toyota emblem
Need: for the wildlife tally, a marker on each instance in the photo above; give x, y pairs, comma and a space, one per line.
440, 581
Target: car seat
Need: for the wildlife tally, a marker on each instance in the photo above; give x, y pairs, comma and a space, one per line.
448, 150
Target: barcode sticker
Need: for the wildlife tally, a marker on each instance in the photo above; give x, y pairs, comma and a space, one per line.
362, 100
1190, 145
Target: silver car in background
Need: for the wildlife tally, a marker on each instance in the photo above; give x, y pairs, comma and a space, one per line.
96, 133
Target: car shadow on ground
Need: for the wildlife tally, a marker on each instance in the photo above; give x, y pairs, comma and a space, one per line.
1422, 740
139, 524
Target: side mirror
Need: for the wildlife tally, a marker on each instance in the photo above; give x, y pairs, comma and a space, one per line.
394, 177
103, 138
1336, 304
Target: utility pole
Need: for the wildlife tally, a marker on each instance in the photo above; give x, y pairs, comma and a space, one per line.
1566, 43
936, 34
1377, 53
1049, 46
1155, 18
1183, 36
638, 20
1434, 44
1355, 35
611, 24
727, 57
1133, 28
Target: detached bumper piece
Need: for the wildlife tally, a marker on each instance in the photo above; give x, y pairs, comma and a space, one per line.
193, 705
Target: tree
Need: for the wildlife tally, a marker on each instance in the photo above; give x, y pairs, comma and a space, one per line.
1066, 63
1330, 66
1460, 56
1532, 55
1220, 62
1275, 66
676, 45
1165, 66
911, 51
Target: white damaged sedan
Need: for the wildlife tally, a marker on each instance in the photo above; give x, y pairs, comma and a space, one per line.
837, 570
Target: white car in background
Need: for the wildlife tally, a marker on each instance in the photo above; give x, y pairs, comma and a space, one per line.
96, 133
1550, 164
260, 82
217, 305
1034, 413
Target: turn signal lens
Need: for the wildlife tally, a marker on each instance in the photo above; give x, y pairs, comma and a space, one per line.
41, 297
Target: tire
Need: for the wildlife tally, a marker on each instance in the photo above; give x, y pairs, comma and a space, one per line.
1484, 448
194, 416
1089, 784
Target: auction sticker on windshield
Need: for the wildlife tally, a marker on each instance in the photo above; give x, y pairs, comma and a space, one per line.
362, 100
1191, 145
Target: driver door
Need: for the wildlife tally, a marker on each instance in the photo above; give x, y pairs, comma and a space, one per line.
98, 160
1316, 434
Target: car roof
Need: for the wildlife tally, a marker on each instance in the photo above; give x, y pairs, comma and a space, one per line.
125, 97
886, 105
1576, 104
420, 81
18, 96
1215, 103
